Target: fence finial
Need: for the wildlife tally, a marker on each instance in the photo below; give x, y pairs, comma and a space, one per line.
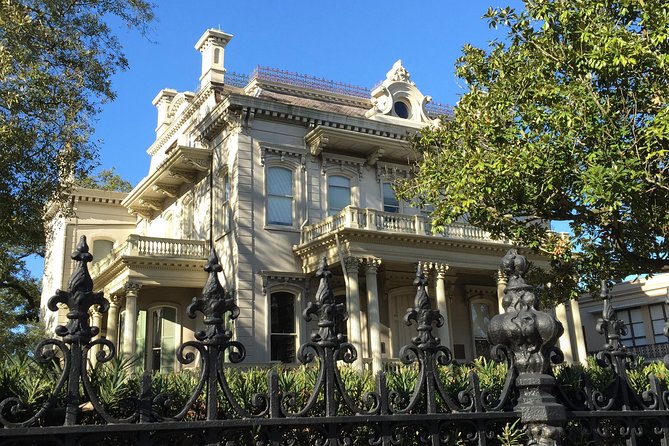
530, 336
79, 298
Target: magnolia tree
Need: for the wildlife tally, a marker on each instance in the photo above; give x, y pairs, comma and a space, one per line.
565, 119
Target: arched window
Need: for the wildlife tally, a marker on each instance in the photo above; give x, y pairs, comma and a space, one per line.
101, 248
283, 327
339, 193
280, 197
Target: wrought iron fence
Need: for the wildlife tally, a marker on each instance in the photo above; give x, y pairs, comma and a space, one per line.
211, 413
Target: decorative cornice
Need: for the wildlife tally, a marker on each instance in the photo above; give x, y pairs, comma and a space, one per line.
392, 171
343, 162
276, 278
268, 150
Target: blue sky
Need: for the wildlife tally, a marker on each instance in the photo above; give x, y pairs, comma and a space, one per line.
354, 42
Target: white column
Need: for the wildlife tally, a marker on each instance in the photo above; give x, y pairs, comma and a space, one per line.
112, 322
130, 327
353, 299
501, 286
565, 339
581, 352
374, 315
96, 318
442, 304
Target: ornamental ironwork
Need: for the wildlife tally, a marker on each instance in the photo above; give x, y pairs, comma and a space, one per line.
554, 405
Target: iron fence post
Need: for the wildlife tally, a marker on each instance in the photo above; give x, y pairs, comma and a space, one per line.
529, 335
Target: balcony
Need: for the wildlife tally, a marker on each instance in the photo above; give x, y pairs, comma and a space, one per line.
152, 260
389, 222
397, 239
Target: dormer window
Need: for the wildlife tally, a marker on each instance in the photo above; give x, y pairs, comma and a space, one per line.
397, 100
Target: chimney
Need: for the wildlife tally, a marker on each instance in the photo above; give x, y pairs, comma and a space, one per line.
162, 102
211, 45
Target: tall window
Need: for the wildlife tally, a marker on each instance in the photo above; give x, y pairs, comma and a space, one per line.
339, 193
283, 330
636, 332
279, 196
390, 202
162, 339
480, 319
658, 316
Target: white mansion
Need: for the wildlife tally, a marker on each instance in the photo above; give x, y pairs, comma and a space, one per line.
280, 170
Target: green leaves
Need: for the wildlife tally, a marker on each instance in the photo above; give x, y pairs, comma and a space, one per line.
57, 58
565, 120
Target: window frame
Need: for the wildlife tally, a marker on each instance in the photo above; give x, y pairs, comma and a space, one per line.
328, 209
297, 326
149, 338
398, 207
291, 197
631, 339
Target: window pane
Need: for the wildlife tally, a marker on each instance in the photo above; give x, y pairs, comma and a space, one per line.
168, 336
639, 329
101, 248
279, 196
661, 339
280, 211
480, 319
140, 344
339, 194
658, 327
390, 202
657, 312
339, 181
283, 313
279, 181
636, 315
283, 348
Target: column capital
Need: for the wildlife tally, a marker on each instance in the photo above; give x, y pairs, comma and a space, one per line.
371, 264
132, 287
500, 277
351, 264
114, 300
437, 268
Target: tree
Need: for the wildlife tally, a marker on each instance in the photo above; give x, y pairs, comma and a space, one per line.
57, 58
106, 179
566, 119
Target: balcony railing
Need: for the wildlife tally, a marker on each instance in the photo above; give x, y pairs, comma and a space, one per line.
375, 220
141, 246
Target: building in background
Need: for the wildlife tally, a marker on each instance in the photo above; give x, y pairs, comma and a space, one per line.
642, 305
280, 170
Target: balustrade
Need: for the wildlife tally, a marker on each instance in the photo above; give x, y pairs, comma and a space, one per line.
391, 222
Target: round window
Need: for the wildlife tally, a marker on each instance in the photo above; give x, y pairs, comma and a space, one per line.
401, 109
